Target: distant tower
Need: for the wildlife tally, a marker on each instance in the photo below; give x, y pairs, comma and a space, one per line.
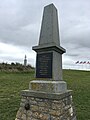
25, 61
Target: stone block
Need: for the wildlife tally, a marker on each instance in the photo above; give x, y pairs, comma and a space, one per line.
34, 107
48, 86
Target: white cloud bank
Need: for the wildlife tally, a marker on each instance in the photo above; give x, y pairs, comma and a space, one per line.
20, 27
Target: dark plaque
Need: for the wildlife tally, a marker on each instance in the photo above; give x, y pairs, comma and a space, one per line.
44, 65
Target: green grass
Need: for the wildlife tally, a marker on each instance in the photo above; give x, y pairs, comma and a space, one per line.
12, 83
10, 86
79, 82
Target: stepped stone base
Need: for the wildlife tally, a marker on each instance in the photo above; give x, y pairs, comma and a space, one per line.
48, 86
36, 105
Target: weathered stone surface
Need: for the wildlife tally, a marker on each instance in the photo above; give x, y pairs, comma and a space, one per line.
19, 114
29, 113
44, 109
55, 112
49, 29
74, 118
34, 108
48, 86
45, 95
29, 118
23, 117
48, 108
22, 104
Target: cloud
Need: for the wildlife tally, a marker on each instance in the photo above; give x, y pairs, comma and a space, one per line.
20, 23
10, 53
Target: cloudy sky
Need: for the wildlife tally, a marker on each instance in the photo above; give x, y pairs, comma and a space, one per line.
20, 22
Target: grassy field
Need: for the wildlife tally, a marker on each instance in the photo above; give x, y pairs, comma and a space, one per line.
12, 83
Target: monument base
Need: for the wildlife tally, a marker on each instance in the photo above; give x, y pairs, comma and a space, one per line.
36, 105
48, 86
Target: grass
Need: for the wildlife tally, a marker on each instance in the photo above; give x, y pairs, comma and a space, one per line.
79, 82
12, 83
10, 86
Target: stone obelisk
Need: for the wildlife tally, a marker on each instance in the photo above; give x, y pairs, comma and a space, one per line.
49, 54
47, 97
49, 42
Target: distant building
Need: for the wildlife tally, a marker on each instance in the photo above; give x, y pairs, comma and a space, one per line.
25, 61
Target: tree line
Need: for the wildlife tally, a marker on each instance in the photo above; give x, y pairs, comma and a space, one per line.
15, 67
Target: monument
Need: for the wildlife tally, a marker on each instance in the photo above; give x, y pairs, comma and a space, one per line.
47, 97
25, 61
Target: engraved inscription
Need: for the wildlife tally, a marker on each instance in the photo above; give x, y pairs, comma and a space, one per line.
44, 65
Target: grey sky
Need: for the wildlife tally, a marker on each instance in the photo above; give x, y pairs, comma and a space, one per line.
20, 22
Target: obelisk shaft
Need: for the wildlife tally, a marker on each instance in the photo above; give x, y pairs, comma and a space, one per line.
49, 29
